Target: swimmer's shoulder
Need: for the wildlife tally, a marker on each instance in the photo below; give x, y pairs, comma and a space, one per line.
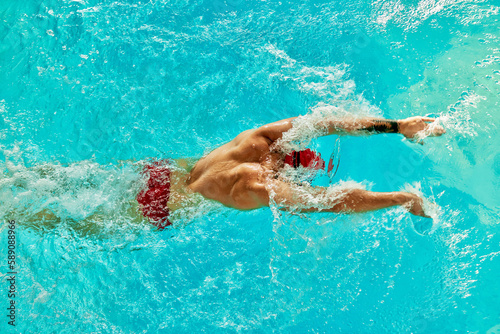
252, 136
251, 148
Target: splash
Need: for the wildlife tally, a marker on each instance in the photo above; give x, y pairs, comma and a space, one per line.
332, 92
458, 116
83, 194
297, 197
430, 207
315, 123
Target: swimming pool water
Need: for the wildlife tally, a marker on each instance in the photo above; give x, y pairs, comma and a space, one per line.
87, 87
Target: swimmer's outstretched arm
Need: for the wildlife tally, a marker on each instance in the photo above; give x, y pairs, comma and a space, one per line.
408, 127
314, 199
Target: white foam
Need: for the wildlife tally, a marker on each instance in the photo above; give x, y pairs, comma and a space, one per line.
304, 196
431, 208
72, 192
313, 124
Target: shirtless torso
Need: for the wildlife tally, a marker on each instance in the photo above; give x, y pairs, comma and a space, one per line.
234, 172
240, 174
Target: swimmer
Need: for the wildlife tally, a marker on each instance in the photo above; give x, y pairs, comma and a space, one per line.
244, 173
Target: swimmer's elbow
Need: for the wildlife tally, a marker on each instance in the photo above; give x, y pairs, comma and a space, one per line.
348, 201
274, 131
359, 200
259, 195
250, 196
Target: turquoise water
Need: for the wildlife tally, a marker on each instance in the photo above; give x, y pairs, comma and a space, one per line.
86, 85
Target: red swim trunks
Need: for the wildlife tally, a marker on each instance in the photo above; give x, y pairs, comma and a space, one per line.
154, 198
305, 158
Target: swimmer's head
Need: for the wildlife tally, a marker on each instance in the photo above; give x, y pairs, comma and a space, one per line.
306, 158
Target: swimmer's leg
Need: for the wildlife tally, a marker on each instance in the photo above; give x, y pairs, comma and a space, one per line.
93, 224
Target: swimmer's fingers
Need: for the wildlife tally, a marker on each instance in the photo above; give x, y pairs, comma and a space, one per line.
434, 130
415, 205
438, 131
417, 128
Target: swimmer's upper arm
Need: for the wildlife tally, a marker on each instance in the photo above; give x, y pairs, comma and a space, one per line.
281, 193
274, 131
308, 199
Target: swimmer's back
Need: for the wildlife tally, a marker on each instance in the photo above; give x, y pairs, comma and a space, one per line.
230, 173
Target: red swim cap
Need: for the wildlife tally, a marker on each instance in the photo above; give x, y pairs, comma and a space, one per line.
306, 158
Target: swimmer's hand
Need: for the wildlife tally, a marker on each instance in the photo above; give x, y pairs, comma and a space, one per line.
414, 204
416, 128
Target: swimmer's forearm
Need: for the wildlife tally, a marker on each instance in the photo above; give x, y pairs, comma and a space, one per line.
355, 201
359, 200
357, 126
337, 126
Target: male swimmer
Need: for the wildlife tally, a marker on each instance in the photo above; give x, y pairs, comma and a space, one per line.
245, 173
